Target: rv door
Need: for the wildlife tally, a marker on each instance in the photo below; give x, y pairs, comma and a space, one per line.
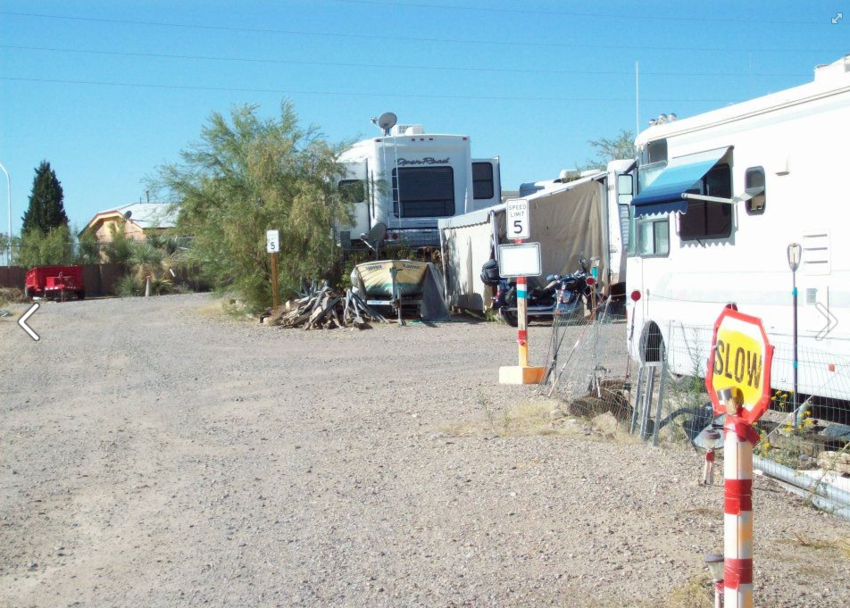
486, 183
355, 191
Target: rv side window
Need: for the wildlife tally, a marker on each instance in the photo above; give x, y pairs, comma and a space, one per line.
352, 190
482, 180
424, 191
755, 189
655, 152
705, 220
653, 237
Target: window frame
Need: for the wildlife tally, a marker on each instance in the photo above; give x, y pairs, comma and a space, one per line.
637, 240
704, 207
491, 180
344, 182
750, 189
398, 206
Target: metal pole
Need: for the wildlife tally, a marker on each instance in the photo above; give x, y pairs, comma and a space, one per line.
794, 293
637, 98
522, 319
9, 210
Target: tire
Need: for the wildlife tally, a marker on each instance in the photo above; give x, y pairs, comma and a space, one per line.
508, 316
81, 295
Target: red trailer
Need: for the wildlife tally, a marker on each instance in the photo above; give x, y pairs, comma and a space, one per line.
56, 282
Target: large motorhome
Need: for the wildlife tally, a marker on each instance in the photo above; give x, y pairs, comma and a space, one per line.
720, 197
408, 179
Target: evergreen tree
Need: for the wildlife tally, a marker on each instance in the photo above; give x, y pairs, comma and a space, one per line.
46, 210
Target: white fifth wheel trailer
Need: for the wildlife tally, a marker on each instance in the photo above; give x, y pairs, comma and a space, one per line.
720, 197
408, 179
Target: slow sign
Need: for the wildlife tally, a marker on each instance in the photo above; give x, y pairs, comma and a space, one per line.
741, 357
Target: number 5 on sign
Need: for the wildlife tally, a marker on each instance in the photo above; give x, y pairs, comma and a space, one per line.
272, 241
519, 219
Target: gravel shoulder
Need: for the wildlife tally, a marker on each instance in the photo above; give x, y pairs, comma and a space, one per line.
156, 453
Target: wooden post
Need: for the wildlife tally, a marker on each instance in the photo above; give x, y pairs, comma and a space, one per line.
275, 297
522, 319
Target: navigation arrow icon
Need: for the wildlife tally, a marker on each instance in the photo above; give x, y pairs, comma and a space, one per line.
831, 321
838, 17
23, 322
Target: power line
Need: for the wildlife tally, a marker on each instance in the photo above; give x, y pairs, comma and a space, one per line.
349, 93
247, 30
525, 11
381, 65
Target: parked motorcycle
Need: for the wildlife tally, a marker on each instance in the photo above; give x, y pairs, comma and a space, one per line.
562, 295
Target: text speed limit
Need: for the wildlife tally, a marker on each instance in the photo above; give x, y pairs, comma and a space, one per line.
519, 219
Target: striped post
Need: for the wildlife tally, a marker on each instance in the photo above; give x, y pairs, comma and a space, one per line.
738, 519
522, 319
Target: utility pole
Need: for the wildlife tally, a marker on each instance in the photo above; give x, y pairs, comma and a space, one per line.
9, 205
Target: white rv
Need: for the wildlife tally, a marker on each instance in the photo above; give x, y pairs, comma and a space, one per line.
408, 179
720, 197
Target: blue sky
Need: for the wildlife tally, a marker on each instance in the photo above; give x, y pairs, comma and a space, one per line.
528, 81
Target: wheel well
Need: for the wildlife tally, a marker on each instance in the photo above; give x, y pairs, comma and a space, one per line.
652, 343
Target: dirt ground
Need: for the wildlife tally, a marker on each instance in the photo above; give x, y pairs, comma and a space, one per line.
157, 453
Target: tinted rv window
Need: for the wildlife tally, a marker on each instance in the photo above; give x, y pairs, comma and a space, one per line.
755, 188
482, 180
705, 220
352, 190
424, 191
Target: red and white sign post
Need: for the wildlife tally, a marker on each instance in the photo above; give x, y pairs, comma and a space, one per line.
738, 382
525, 262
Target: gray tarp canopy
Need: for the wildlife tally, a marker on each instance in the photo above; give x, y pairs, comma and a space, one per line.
566, 221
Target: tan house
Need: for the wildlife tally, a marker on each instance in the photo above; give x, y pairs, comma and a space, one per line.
140, 220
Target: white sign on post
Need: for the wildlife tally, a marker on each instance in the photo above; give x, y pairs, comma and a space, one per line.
519, 219
519, 260
272, 241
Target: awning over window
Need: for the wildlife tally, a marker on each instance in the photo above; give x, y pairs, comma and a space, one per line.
664, 194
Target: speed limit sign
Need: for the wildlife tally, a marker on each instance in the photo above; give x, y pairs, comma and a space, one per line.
519, 219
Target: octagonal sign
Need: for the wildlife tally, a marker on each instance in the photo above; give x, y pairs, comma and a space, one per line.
741, 357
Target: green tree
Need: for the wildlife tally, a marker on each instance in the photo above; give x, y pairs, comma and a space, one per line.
46, 206
88, 248
119, 249
247, 175
52, 248
616, 148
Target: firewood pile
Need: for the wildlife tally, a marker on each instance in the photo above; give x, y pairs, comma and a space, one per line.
323, 308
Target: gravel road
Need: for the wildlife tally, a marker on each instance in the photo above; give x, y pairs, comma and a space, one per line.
155, 453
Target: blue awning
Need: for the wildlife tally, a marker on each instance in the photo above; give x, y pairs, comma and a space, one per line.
664, 194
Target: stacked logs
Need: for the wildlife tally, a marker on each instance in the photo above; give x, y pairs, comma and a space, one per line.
323, 308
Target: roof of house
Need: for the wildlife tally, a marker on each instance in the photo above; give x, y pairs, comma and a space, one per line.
144, 215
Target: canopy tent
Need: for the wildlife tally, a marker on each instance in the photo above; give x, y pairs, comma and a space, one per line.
665, 193
568, 222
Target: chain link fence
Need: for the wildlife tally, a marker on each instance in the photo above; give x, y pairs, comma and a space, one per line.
804, 437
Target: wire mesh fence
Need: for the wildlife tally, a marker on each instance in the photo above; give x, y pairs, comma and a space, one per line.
588, 364
805, 435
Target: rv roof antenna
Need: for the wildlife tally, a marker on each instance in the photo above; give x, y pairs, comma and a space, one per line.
386, 122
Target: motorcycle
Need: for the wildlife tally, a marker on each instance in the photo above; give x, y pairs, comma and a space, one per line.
562, 295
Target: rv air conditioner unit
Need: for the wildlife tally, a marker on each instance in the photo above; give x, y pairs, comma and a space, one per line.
407, 130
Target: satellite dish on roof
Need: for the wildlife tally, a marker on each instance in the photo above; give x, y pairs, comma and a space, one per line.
387, 121
128, 214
